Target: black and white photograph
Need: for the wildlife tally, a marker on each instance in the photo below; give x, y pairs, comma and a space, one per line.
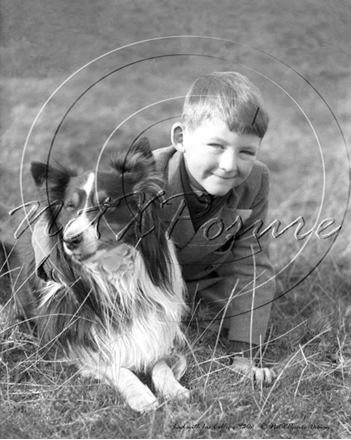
175, 223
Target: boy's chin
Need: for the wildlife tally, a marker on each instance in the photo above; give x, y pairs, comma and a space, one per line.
218, 189
218, 192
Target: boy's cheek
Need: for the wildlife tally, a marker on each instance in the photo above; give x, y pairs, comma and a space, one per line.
190, 156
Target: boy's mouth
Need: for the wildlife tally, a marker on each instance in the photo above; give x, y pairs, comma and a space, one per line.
225, 177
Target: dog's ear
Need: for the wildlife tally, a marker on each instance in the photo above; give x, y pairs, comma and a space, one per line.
39, 172
137, 162
42, 172
141, 146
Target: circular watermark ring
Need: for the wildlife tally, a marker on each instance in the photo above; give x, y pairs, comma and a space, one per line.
214, 57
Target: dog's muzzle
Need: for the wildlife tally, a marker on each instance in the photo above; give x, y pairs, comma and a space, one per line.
72, 243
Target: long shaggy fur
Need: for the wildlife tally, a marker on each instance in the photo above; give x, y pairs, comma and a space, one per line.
113, 291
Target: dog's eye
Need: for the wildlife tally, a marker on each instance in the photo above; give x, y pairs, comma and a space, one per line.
70, 206
71, 202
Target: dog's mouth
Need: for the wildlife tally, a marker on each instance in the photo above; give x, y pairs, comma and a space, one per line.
85, 257
91, 257
81, 254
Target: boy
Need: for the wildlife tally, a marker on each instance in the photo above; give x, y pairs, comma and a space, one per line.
215, 190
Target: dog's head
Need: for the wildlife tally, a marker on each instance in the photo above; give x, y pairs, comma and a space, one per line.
92, 211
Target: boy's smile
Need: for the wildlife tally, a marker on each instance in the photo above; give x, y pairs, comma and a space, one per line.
216, 158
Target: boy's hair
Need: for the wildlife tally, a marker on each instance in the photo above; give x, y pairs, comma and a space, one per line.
229, 96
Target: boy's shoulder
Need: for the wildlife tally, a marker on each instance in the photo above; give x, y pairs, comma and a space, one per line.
259, 171
256, 184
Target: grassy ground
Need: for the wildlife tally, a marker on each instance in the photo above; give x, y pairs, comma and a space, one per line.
42, 44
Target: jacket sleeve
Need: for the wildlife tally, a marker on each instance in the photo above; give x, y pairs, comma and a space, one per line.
254, 274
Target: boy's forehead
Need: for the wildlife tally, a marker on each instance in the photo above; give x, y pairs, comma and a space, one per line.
216, 128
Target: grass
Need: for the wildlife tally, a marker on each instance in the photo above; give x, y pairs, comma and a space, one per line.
309, 348
309, 342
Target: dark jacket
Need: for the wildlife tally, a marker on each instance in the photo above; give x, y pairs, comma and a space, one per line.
220, 256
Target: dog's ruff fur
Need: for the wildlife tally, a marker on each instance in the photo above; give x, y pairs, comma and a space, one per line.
113, 295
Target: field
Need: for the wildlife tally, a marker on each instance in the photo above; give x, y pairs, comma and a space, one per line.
80, 79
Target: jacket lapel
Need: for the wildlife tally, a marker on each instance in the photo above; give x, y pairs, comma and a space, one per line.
215, 233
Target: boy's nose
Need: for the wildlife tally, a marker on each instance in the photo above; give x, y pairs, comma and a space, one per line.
228, 162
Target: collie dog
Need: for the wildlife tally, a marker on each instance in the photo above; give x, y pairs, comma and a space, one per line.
111, 291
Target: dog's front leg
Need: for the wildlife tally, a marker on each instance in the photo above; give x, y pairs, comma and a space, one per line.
137, 395
166, 384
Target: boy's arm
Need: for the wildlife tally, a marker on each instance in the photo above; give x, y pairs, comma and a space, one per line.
254, 293
254, 273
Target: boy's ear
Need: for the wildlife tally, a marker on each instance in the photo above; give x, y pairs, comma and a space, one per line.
177, 137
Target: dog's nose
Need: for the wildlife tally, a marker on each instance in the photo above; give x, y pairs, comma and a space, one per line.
73, 242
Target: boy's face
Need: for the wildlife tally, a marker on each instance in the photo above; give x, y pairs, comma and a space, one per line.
216, 158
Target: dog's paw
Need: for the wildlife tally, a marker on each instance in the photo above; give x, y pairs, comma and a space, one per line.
183, 394
143, 403
180, 393
175, 391
246, 368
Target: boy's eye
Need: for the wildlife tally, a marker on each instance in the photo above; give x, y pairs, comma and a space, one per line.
249, 153
217, 146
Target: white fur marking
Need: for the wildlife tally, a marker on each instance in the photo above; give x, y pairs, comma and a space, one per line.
89, 186
81, 224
